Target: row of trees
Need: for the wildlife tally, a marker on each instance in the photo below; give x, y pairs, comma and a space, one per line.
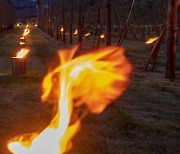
7, 15
130, 19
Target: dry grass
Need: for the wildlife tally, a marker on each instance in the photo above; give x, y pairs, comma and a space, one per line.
145, 120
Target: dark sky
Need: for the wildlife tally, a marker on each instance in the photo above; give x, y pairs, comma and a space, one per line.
24, 8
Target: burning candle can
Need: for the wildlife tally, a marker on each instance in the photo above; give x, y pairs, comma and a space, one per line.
18, 66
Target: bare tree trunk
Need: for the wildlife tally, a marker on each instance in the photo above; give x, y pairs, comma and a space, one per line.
51, 27
99, 39
71, 24
57, 29
80, 35
63, 22
108, 23
49, 17
171, 38
40, 13
97, 22
127, 22
116, 17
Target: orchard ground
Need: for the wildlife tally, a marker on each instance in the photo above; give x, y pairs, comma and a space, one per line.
145, 120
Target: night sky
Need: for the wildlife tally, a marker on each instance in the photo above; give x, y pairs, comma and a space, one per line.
23, 8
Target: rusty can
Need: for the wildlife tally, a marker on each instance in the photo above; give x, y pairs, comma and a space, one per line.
18, 66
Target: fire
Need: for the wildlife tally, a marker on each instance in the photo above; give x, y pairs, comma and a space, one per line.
62, 29
22, 43
76, 32
87, 34
27, 26
26, 32
151, 40
36, 25
92, 80
22, 53
102, 36
17, 25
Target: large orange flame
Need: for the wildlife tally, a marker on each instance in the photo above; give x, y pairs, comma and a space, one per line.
93, 80
151, 40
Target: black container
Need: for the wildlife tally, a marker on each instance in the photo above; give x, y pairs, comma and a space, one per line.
18, 66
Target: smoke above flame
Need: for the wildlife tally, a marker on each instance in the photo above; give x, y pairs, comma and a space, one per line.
93, 80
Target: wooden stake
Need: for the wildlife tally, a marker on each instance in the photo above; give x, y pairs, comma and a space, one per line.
127, 22
155, 50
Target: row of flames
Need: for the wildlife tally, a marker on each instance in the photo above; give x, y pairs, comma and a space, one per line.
86, 34
102, 36
18, 24
88, 83
24, 51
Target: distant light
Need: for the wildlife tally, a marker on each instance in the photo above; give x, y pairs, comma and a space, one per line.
62, 29
102, 36
87, 34
76, 32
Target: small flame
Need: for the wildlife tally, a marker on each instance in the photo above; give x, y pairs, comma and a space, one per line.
76, 32
22, 43
102, 36
87, 34
151, 40
27, 26
93, 80
17, 25
22, 53
62, 29
26, 32
36, 25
